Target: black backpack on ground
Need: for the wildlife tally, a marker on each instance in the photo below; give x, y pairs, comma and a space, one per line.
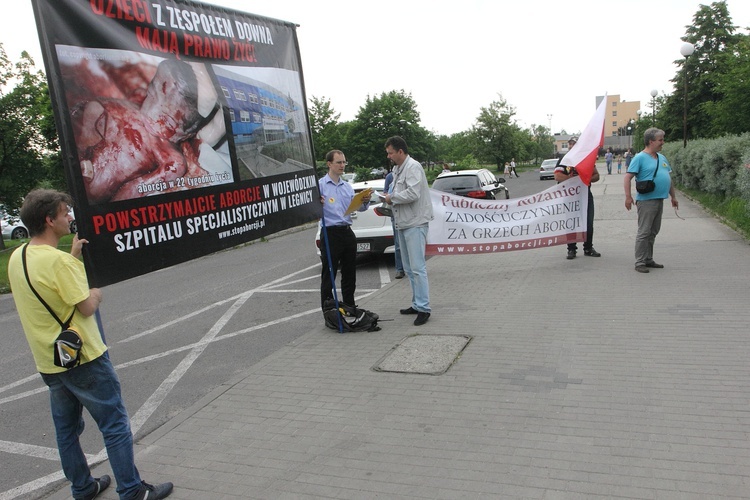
353, 319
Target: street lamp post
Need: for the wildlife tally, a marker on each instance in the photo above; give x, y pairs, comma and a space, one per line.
630, 135
654, 93
638, 119
686, 50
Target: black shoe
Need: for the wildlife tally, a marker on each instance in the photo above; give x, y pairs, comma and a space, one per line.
422, 318
410, 310
641, 269
654, 265
592, 253
151, 492
571, 255
102, 483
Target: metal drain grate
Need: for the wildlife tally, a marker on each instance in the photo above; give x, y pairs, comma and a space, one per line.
423, 354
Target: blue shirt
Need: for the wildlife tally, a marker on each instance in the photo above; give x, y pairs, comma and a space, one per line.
388, 183
336, 199
643, 166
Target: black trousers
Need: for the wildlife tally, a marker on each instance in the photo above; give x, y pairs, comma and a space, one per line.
343, 247
589, 243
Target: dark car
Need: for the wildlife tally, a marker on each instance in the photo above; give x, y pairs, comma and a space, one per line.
479, 184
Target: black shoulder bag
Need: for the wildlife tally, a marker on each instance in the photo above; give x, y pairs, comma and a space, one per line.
647, 186
67, 346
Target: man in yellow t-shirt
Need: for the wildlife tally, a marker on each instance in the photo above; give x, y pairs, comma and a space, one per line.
60, 280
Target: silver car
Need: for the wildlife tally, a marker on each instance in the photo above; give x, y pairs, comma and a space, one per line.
13, 228
547, 170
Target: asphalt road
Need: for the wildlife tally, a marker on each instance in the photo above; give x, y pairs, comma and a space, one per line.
174, 336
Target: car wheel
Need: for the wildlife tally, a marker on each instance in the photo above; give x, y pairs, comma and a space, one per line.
19, 233
73, 227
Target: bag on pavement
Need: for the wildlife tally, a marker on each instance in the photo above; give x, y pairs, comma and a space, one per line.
353, 319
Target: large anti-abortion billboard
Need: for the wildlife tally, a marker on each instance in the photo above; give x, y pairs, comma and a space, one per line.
183, 128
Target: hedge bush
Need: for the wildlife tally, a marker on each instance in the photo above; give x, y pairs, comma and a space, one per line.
714, 166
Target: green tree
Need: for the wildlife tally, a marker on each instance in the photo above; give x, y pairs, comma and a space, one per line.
326, 133
453, 148
390, 113
25, 136
713, 35
731, 113
498, 136
542, 143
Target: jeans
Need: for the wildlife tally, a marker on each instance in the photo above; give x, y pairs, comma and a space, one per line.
397, 249
342, 244
649, 224
412, 243
94, 386
589, 243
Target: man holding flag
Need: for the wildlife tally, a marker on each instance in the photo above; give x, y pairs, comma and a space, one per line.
582, 159
563, 173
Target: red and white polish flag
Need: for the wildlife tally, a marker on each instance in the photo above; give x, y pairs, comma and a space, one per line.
584, 153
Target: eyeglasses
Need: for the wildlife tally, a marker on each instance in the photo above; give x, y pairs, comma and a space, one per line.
344, 163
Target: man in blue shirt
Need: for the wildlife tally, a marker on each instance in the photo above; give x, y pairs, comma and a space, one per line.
650, 205
387, 189
336, 195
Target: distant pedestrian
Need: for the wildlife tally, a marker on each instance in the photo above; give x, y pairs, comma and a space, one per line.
628, 158
513, 167
619, 164
507, 169
608, 159
387, 189
446, 168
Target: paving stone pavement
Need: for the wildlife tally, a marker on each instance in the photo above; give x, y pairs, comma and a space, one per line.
582, 379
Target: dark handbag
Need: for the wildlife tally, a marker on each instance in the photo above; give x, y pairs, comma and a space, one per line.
644, 187
67, 346
649, 185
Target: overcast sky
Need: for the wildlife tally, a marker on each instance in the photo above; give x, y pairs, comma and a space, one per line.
544, 57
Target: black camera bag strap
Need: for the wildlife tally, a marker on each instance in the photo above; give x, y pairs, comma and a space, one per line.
657, 168
26, 273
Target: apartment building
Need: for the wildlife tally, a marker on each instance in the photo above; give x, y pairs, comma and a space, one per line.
617, 116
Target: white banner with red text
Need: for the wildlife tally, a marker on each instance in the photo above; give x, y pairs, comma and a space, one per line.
462, 225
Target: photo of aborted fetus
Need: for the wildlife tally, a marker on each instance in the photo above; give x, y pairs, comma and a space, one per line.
144, 125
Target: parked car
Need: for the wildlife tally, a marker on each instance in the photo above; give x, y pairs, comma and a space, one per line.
350, 178
372, 227
378, 173
547, 170
13, 228
481, 184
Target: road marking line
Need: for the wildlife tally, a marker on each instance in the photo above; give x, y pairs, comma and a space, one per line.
32, 450
153, 402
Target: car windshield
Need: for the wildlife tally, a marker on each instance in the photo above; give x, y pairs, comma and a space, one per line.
456, 183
